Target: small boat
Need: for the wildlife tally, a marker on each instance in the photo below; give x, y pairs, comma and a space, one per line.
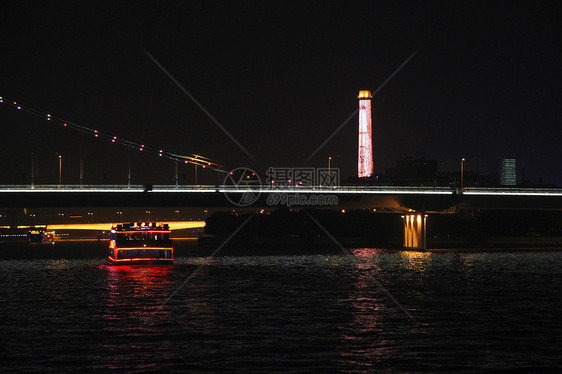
39, 235
140, 243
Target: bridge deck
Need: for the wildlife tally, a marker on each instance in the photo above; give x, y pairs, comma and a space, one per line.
390, 197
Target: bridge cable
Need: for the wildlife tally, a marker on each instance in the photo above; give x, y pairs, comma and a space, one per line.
194, 159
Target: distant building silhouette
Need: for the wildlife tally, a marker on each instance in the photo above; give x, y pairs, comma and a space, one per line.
409, 172
422, 172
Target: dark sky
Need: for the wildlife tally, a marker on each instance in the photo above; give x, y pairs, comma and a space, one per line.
280, 77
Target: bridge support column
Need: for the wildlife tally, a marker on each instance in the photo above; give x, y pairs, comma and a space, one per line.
415, 231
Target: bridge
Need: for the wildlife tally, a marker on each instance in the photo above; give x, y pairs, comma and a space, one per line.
389, 198
413, 203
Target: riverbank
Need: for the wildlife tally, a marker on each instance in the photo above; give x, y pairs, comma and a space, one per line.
83, 248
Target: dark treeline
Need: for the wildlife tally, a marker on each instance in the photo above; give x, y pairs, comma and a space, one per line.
307, 226
497, 223
363, 227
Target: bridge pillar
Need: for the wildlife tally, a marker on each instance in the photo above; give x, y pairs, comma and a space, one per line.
415, 230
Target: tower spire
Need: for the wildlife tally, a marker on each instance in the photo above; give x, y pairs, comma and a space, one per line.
365, 160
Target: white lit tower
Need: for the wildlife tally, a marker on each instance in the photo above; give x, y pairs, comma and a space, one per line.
508, 172
365, 161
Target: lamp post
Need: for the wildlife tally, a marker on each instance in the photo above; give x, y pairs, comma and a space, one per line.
329, 164
60, 169
462, 173
177, 181
129, 170
32, 169
81, 169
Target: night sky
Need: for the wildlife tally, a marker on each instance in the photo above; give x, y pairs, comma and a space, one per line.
280, 77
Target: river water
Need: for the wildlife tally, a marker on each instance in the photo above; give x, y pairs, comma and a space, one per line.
373, 311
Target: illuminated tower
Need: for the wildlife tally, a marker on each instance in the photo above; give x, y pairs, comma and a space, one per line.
365, 161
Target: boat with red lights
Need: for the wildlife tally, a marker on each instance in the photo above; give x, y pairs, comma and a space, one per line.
140, 243
40, 235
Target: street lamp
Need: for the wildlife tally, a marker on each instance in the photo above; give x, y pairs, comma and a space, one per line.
32, 169
462, 173
60, 169
329, 164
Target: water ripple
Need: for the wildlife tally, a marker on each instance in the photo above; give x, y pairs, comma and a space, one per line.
476, 311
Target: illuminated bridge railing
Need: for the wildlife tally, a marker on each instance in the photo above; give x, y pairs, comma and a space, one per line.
389, 190
513, 191
226, 188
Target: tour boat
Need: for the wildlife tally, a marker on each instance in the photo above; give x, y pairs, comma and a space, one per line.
140, 243
38, 235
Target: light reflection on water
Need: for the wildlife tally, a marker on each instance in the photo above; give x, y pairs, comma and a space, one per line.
138, 287
475, 311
